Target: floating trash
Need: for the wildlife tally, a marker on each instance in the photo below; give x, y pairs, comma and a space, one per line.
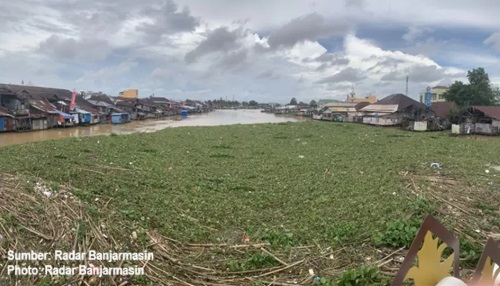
436, 165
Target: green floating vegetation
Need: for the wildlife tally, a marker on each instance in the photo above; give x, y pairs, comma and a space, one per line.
288, 184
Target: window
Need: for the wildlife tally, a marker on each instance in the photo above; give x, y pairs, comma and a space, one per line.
434, 96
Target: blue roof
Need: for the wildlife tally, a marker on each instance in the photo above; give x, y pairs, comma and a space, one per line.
65, 115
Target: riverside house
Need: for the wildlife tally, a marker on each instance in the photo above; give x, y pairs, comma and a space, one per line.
391, 110
479, 120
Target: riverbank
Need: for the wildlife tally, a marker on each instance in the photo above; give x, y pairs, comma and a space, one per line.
356, 193
217, 117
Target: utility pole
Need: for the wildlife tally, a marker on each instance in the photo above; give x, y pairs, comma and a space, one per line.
406, 86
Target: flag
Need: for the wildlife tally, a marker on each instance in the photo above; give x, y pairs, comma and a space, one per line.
73, 99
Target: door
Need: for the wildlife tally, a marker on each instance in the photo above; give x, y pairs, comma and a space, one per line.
2, 124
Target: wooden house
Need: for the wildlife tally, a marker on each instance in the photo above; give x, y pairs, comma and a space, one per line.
104, 104
150, 108
128, 106
43, 114
434, 118
479, 120
7, 120
391, 111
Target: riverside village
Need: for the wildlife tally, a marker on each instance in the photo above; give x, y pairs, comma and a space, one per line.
31, 108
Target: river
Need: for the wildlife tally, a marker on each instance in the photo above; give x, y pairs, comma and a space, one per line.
216, 117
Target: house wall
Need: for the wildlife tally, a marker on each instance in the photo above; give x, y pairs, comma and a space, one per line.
116, 119
7, 124
381, 121
39, 124
483, 128
14, 104
437, 95
467, 128
495, 123
95, 119
129, 93
52, 120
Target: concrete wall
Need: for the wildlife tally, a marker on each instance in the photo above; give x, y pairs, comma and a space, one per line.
381, 121
483, 128
420, 126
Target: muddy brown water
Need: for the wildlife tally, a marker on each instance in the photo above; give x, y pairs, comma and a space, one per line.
214, 118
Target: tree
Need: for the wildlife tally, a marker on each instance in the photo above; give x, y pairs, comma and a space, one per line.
253, 103
478, 92
293, 101
313, 103
496, 94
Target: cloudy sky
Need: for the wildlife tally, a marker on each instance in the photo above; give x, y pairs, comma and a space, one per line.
269, 51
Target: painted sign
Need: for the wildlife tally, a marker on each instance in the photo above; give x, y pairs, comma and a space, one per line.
428, 96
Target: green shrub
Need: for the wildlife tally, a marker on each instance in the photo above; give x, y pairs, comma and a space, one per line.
364, 275
398, 233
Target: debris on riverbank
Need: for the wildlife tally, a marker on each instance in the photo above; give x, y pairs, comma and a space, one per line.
30, 221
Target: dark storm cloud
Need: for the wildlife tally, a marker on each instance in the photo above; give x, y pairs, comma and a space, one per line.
168, 19
220, 39
72, 49
346, 75
306, 28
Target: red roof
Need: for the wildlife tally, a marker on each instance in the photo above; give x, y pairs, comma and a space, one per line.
441, 87
442, 109
489, 111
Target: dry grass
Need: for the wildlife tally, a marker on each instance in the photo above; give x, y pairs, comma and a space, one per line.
33, 221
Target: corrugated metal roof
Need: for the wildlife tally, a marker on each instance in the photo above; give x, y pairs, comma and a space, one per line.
101, 97
43, 105
340, 104
342, 109
489, 111
160, 100
126, 103
360, 105
387, 108
5, 112
401, 100
51, 94
101, 103
81, 111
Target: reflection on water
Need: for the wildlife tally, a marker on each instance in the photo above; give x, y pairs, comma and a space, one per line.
217, 117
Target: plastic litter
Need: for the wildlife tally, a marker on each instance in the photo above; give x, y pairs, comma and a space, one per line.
316, 280
436, 165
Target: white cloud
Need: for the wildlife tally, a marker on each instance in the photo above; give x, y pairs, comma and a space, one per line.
494, 41
414, 33
262, 50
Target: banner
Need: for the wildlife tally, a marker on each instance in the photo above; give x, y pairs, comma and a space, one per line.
73, 99
428, 97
